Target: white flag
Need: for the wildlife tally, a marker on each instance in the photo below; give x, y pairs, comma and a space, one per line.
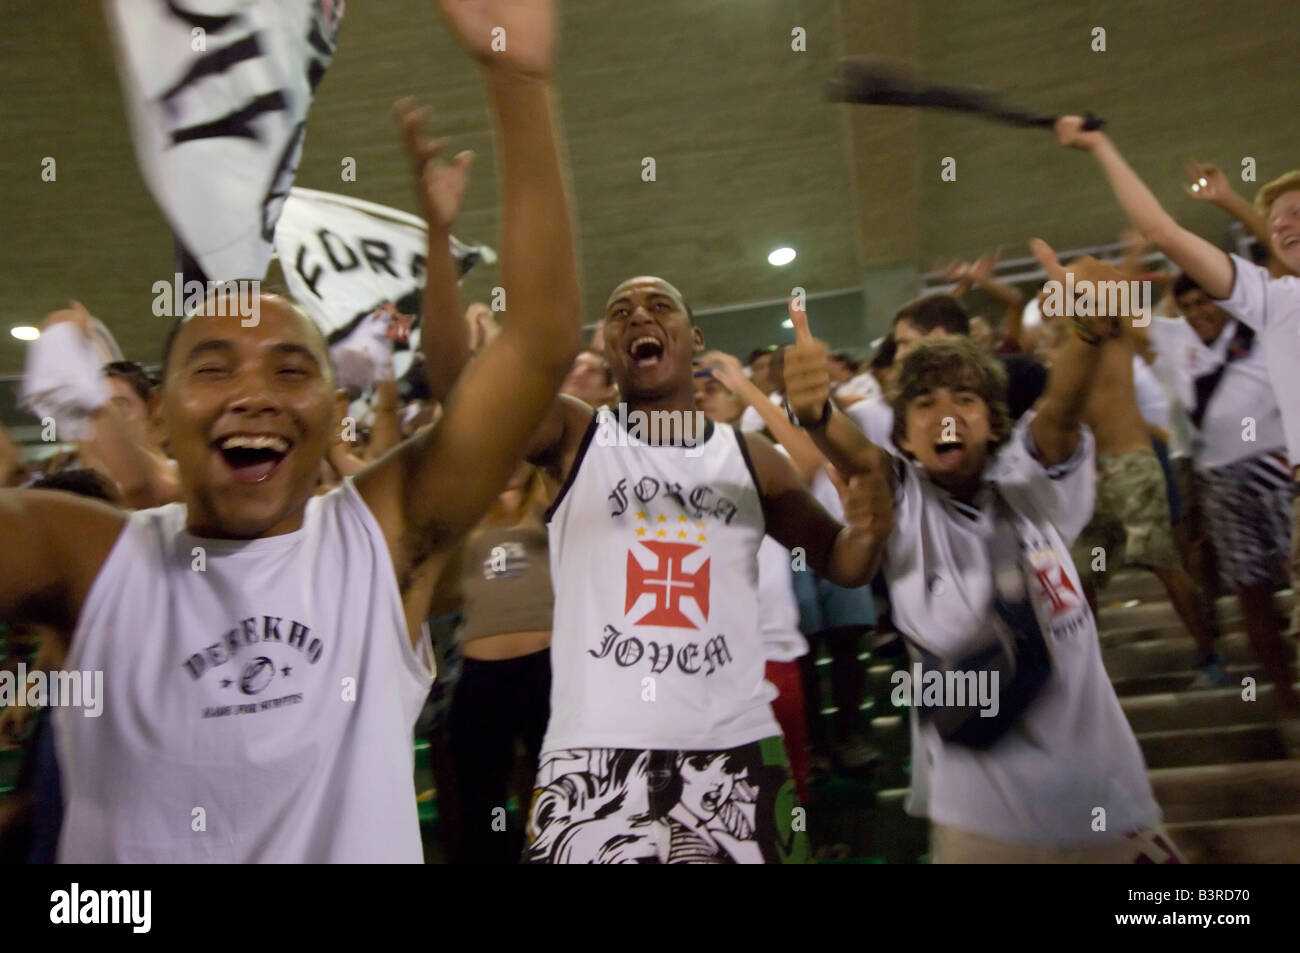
217, 92
358, 269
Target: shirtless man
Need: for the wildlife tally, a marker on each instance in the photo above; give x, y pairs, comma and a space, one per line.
1132, 505
262, 675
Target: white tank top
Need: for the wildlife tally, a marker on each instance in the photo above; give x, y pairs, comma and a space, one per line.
657, 643
259, 709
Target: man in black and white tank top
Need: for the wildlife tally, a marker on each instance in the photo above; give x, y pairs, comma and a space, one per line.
662, 746
262, 670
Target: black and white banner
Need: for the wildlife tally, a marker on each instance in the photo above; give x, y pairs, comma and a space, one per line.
217, 92
358, 269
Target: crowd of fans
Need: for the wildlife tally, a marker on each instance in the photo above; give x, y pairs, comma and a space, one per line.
1185, 441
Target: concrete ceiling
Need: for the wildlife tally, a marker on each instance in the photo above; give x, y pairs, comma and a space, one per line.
747, 157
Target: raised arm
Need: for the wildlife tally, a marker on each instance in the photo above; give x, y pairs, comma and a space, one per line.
808, 391
848, 555
143, 478
445, 339
1208, 265
1207, 183
433, 488
1010, 297
54, 546
805, 456
441, 190
1055, 428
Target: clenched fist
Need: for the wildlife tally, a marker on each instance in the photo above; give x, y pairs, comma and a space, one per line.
868, 501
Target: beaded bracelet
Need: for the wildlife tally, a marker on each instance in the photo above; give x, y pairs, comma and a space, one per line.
1083, 334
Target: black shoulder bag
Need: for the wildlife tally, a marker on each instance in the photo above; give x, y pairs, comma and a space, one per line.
1019, 654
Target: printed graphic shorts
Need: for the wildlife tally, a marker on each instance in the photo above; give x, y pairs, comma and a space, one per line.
628, 806
1130, 520
1248, 515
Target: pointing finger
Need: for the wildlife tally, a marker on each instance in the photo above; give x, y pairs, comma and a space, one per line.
1047, 258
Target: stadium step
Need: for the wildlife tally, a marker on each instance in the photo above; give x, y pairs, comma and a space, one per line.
1216, 763
1202, 793
1157, 656
1187, 747
1240, 840
1211, 708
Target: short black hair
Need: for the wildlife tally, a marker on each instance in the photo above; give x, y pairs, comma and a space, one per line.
885, 354
273, 289
81, 481
758, 352
134, 374
936, 311
1185, 283
847, 359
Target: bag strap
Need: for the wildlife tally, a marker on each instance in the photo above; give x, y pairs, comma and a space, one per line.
1240, 346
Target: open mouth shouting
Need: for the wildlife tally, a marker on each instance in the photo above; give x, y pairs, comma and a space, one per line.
950, 454
646, 351
253, 458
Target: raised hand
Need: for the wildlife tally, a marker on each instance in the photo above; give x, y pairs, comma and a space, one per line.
807, 372
954, 271
1206, 183
511, 35
982, 270
75, 313
727, 371
1070, 132
1086, 271
440, 187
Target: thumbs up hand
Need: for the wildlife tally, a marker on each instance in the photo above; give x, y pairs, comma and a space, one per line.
807, 372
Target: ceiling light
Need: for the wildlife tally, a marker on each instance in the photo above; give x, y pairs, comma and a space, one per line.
25, 332
781, 256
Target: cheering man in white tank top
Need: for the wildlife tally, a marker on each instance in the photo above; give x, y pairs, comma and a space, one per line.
262, 661
662, 747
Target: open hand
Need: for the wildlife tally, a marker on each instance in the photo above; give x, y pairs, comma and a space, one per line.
1207, 183
441, 187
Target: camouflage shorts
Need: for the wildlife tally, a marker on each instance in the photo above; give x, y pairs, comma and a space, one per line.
1130, 521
